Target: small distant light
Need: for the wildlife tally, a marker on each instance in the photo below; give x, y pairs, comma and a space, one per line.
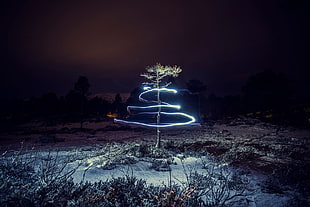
111, 115
268, 116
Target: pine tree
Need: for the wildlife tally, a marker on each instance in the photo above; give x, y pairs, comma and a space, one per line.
156, 75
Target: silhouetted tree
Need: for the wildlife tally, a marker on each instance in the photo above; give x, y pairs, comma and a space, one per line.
49, 107
72, 100
196, 87
118, 105
117, 99
266, 90
134, 97
232, 105
215, 107
72, 106
49, 103
99, 106
81, 87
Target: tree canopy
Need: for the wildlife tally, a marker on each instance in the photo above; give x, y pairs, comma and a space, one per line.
155, 74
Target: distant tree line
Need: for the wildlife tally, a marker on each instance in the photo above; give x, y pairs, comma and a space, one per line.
51, 109
266, 95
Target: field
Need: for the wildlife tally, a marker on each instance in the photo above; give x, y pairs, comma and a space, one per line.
240, 162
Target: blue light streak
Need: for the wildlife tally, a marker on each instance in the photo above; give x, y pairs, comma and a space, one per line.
165, 105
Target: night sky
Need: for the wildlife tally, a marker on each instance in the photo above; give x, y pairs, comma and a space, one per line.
49, 44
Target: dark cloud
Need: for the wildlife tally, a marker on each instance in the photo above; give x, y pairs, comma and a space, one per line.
49, 44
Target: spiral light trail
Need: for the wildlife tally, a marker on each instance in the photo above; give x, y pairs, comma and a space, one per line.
163, 105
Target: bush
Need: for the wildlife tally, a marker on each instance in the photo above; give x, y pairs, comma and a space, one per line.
27, 179
24, 184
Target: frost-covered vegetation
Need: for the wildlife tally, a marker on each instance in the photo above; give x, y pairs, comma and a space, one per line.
238, 162
79, 178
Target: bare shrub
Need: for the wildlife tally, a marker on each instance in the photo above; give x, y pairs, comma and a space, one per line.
294, 177
45, 179
145, 150
16, 177
27, 180
218, 186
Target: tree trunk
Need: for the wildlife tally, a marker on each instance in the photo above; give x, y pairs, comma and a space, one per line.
158, 142
199, 106
82, 114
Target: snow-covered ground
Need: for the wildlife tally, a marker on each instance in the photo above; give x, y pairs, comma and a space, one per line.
142, 168
252, 150
114, 160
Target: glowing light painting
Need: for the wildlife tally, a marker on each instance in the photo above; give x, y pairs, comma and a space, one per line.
162, 105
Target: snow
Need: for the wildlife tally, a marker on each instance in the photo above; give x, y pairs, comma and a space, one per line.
141, 169
94, 168
102, 153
